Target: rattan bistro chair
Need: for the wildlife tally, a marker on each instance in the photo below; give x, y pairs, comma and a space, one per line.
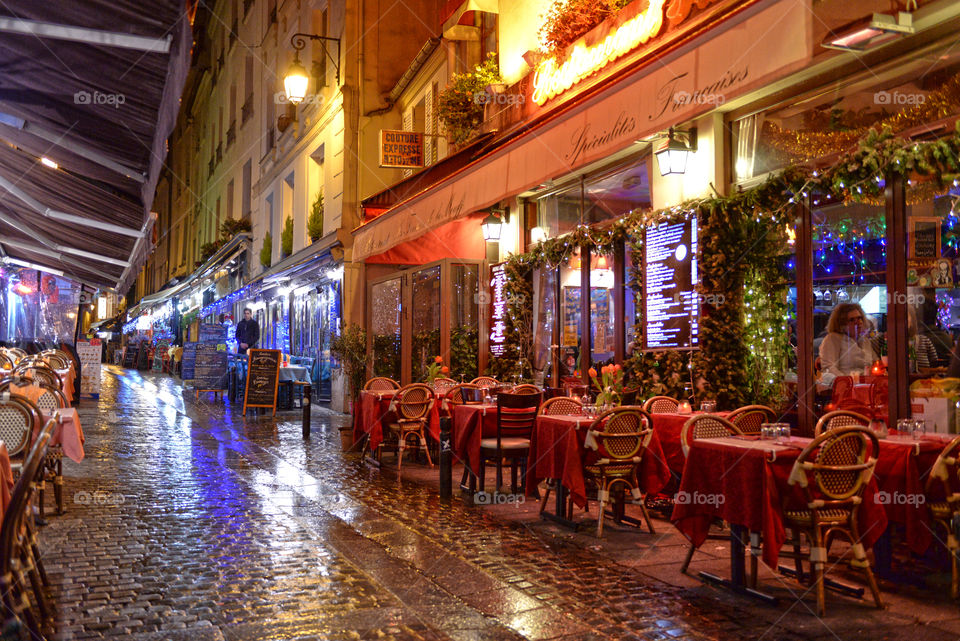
381, 384
704, 426
621, 436
839, 419
833, 471
485, 381
749, 418
412, 406
526, 388
942, 493
561, 405
461, 394
442, 384
661, 405
516, 414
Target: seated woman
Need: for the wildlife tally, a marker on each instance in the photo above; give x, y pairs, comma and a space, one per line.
846, 349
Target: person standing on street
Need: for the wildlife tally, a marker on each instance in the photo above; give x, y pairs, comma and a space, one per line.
248, 332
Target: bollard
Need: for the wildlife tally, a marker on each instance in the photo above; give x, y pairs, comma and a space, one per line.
446, 459
306, 411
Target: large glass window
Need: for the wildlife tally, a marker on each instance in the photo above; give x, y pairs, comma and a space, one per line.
544, 321
464, 321
385, 327
426, 321
602, 327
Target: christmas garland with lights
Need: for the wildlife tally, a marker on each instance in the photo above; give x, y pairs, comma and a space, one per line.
743, 338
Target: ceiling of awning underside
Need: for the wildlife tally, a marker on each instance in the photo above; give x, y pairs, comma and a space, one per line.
102, 112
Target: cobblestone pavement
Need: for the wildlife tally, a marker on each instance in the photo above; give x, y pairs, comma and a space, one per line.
187, 522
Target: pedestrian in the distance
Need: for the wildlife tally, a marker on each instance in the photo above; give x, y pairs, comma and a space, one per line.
248, 332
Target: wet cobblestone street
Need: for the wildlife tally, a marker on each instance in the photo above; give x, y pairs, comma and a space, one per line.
187, 522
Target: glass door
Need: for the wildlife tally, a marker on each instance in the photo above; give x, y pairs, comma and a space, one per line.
425, 320
385, 323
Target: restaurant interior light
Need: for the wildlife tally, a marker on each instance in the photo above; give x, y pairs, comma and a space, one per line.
538, 234
673, 152
295, 81
52, 164
492, 227
869, 32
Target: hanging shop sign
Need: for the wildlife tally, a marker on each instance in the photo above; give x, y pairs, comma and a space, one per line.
401, 149
498, 312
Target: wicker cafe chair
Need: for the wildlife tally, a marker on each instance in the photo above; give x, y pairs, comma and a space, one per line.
833, 471
516, 415
381, 384
442, 384
55, 359
41, 374
661, 405
485, 381
526, 388
839, 419
19, 554
461, 394
412, 406
561, 405
749, 418
622, 436
697, 427
18, 416
942, 493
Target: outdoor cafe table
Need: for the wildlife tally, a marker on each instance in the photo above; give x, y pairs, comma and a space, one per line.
743, 481
370, 410
471, 423
68, 433
557, 451
67, 382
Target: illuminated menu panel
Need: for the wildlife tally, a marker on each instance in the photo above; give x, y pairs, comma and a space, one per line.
670, 283
498, 312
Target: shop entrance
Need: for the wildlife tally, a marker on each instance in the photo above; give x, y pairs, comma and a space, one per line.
417, 314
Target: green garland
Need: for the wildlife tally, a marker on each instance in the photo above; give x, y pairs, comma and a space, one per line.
743, 336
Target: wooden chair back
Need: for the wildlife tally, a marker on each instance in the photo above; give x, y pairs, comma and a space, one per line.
516, 414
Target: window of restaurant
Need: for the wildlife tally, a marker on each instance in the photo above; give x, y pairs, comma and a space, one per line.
444, 320
916, 98
592, 199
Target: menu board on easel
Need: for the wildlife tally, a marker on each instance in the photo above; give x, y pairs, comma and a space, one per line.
187, 361
263, 377
143, 356
130, 355
210, 368
90, 354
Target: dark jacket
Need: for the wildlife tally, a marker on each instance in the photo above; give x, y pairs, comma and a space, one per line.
248, 332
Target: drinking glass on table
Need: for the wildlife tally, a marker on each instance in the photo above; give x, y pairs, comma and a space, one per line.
783, 433
708, 407
919, 428
768, 431
904, 427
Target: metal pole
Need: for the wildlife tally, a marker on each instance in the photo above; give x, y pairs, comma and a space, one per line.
446, 459
306, 410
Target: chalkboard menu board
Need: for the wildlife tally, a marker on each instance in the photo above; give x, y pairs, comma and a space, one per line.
670, 281
263, 375
924, 234
187, 360
210, 367
130, 355
213, 334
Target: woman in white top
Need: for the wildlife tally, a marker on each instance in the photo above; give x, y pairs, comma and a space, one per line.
846, 349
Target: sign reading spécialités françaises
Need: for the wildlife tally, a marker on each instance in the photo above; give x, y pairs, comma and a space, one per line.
403, 149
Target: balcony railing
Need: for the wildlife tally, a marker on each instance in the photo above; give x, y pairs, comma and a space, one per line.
212, 165
231, 133
219, 152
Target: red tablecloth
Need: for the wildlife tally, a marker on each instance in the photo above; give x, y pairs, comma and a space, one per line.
736, 480
471, 423
862, 392
68, 433
557, 452
67, 380
6, 478
902, 470
373, 407
668, 428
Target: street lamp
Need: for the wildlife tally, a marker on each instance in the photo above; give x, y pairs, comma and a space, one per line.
295, 81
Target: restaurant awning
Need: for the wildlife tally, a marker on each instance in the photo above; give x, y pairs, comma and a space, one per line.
95, 88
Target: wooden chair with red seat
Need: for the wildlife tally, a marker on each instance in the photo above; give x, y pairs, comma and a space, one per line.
661, 405
411, 406
942, 493
697, 427
621, 437
833, 471
516, 414
749, 418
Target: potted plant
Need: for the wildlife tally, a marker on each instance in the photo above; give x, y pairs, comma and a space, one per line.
609, 385
350, 349
286, 237
266, 250
460, 108
435, 370
315, 220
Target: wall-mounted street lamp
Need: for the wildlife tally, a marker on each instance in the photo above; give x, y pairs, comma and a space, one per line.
296, 80
674, 151
492, 227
